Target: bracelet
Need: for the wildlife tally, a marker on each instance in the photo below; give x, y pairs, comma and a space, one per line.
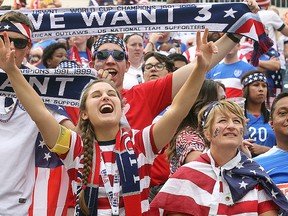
233, 38
153, 46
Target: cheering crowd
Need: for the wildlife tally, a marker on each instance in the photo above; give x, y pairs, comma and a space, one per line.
158, 132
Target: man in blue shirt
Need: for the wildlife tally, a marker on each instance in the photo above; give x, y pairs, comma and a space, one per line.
275, 161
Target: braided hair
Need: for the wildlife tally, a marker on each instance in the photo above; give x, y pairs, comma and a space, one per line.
88, 138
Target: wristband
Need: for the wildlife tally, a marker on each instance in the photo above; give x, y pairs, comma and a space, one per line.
233, 38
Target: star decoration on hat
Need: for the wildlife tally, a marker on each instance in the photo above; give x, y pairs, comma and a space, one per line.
109, 38
6, 27
68, 64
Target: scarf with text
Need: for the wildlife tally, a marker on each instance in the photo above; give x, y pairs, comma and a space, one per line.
55, 86
221, 17
126, 161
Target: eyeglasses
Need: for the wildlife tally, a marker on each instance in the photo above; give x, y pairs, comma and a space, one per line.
158, 66
104, 54
19, 43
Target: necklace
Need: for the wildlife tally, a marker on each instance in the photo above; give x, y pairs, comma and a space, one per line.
12, 113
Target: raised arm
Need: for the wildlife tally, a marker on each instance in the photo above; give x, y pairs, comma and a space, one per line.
165, 128
31, 101
226, 44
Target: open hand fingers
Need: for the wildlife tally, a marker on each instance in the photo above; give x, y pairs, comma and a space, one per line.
6, 40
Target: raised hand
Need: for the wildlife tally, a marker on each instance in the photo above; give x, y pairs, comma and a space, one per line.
253, 5
7, 55
205, 50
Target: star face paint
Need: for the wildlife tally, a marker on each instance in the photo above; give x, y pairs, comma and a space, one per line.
216, 132
242, 131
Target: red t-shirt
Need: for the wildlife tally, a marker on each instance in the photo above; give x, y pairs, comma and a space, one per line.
142, 102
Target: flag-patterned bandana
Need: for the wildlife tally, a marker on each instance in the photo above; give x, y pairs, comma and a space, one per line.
253, 78
16, 27
68, 64
109, 38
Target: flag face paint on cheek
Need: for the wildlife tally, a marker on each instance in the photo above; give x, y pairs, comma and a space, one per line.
242, 131
216, 132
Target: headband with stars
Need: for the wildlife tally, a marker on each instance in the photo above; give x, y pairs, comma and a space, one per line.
68, 64
253, 78
109, 38
16, 27
207, 111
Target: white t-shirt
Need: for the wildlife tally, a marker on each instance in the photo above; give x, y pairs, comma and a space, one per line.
17, 159
273, 22
134, 76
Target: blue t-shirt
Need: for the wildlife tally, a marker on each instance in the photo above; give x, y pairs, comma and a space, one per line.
261, 132
275, 163
230, 75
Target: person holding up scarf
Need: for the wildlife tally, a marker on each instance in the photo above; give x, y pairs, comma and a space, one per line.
109, 165
21, 149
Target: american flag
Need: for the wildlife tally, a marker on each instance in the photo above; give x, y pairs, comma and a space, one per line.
52, 181
246, 175
196, 189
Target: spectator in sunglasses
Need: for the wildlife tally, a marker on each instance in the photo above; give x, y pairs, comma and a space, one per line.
19, 134
21, 38
147, 100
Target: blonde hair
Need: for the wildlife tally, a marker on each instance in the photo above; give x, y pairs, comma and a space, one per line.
223, 106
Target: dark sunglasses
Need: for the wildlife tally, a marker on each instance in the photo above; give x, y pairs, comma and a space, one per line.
104, 54
19, 43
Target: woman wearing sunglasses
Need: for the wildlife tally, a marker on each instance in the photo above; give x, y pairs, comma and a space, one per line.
109, 165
